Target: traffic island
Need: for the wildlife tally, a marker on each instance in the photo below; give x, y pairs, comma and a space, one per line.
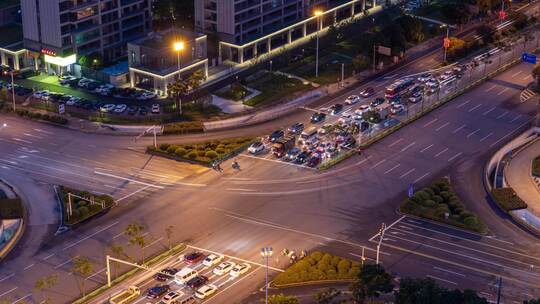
438, 202
79, 206
12, 215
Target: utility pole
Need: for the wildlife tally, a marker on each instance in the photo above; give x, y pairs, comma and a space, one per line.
13, 90
381, 235
343, 75
155, 138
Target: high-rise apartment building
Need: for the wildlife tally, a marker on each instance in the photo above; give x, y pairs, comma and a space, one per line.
60, 29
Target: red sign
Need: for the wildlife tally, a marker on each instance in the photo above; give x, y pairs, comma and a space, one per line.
48, 52
502, 14
446, 43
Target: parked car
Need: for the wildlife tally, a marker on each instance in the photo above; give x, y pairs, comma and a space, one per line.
194, 257
120, 108
352, 99
66, 79
416, 98
171, 298
132, 110
362, 109
292, 153
302, 157
318, 117
367, 92
157, 291
155, 108
240, 269
197, 282
143, 111
213, 259
205, 291
276, 135
397, 108
107, 108
296, 128
313, 161
224, 268
255, 148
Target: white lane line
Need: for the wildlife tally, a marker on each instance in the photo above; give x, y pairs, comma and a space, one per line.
408, 146
377, 164
464, 103
502, 91
5, 293
429, 123
526, 77
95, 274
449, 271
488, 111
455, 156
31, 135
154, 242
442, 127
486, 137
475, 107
62, 264
426, 148
7, 277
132, 193
508, 134
43, 131
407, 173
22, 298
29, 266
240, 189
391, 169
472, 133
496, 239
420, 178
491, 88
49, 256
458, 129
441, 152
390, 226
90, 235
439, 279
395, 143
502, 115
127, 179
118, 235
22, 140
516, 118
516, 73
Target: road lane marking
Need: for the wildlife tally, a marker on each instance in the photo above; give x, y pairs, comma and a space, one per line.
502, 91
132, 193
491, 88
31, 135
408, 146
442, 127
377, 164
5, 293
43, 131
391, 169
7, 277
90, 235
441, 152
455, 156
488, 111
502, 115
426, 148
62, 264
464, 103
154, 242
458, 129
22, 140
475, 107
516, 118
516, 73
429, 123
22, 298
508, 134
449, 271
486, 137
128, 179
390, 226
420, 178
29, 266
395, 143
439, 279
472, 133
240, 189
233, 258
49, 256
407, 173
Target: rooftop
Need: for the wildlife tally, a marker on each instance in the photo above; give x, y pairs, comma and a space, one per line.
166, 39
14, 37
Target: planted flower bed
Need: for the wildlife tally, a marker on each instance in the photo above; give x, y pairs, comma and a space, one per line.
84, 204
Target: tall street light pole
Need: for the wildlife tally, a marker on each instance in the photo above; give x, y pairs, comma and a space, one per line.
381, 234
178, 47
318, 14
13, 90
446, 42
266, 253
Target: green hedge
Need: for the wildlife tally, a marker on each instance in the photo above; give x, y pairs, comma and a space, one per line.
83, 210
507, 199
11, 209
51, 118
183, 127
318, 267
439, 202
536, 166
204, 153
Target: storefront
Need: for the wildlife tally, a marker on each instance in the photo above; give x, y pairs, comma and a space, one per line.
58, 65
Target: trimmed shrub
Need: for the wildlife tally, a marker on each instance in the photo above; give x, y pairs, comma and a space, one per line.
438, 199
211, 154
317, 256
429, 203
84, 210
164, 146
180, 151
192, 155
171, 149
471, 221
508, 199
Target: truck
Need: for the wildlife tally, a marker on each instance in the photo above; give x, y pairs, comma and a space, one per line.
126, 296
282, 145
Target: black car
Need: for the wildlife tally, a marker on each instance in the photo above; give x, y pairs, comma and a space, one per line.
143, 111
194, 257
335, 109
74, 83
296, 128
314, 161
276, 135
132, 110
157, 291
92, 85
165, 274
197, 282
318, 117
377, 102
302, 157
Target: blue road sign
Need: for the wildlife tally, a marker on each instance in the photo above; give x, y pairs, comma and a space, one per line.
410, 191
530, 58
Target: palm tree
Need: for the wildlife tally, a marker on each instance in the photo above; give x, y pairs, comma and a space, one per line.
82, 267
117, 251
135, 232
44, 283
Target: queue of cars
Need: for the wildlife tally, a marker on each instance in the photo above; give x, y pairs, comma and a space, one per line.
105, 89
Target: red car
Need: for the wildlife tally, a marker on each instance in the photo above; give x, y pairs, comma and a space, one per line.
194, 257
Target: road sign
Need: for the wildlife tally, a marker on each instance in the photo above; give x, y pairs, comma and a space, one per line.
530, 58
446, 43
61, 108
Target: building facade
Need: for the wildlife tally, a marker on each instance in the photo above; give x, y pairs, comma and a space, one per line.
63, 30
10, 12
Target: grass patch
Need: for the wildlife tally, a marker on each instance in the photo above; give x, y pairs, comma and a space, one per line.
83, 209
183, 127
203, 153
11, 208
274, 87
439, 202
507, 199
318, 267
536, 166
235, 92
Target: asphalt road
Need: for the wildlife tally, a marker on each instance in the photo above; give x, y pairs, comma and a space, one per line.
279, 205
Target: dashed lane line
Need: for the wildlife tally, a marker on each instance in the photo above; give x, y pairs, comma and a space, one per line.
472, 133
488, 111
458, 129
455, 156
486, 137
439, 279
475, 107
377, 164
516, 118
9, 291
441, 152
395, 143
128, 179
89, 236
502, 115
430, 122
502, 91
407, 173
7, 277
392, 169
420, 178
449, 271
21, 298
442, 126
426, 148
408, 146
29, 266
464, 103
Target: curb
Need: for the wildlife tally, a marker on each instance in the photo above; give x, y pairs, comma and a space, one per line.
312, 283
20, 230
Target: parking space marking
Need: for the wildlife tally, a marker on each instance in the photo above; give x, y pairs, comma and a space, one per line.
407, 173
395, 143
426, 148
475, 107
458, 129
516, 118
441, 152
439, 279
429, 123
486, 137
462, 104
502, 115
408, 146
391, 169
7, 277
472, 133
377, 164
491, 88
488, 111
455, 156
442, 127
420, 178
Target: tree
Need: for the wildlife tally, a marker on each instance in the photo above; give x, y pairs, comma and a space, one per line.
487, 32
420, 291
182, 86
283, 299
360, 62
536, 73
326, 296
536, 301
117, 251
136, 237
82, 267
457, 49
44, 283
372, 281
168, 234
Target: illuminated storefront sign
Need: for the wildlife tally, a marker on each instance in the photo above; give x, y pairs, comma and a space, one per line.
48, 52
61, 61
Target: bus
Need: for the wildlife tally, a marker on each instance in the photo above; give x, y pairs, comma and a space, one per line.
398, 87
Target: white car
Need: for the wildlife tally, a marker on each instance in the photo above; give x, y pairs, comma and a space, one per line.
146, 95
107, 108
346, 114
424, 77
240, 269
120, 108
65, 79
362, 109
416, 98
39, 94
205, 291
223, 268
72, 101
256, 147
84, 82
213, 259
397, 108
352, 99
155, 108
171, 297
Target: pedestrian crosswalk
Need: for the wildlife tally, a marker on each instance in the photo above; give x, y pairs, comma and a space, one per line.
526, 95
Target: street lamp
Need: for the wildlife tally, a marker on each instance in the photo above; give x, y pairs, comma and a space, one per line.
266, 253
446, 40
178, 47
317, 14
381, 234
13, 90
